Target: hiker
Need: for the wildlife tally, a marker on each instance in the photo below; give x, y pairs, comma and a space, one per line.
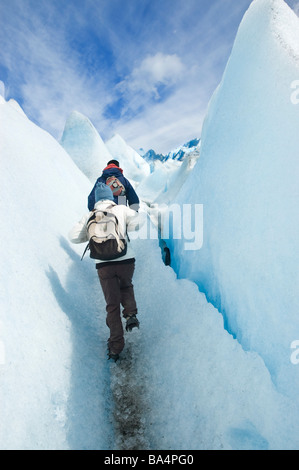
122, 189
115, 274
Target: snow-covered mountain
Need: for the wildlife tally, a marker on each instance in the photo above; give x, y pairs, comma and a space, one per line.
201, 378
168, 172
177, 154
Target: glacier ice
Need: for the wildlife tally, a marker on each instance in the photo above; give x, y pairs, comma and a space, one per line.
84, 144
202, 387
134, 166
247, 180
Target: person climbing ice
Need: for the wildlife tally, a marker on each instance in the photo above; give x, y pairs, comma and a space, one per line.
121, 187
115, 260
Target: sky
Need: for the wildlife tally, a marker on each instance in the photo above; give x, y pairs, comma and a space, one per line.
145, 69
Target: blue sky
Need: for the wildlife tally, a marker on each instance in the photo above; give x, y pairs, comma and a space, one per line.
145, 69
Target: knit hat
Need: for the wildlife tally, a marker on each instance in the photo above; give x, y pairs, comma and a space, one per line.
113, 162
103, 192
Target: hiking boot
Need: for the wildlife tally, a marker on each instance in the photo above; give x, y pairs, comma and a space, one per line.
132, 322
113, 356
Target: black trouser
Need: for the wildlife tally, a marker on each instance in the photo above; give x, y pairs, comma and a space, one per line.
116, 282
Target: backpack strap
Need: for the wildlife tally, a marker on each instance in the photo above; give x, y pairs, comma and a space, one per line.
93, 216
86, 248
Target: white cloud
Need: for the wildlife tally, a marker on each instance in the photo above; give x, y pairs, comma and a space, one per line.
149, 81
166, 65
49, 76
165, 125
153, 71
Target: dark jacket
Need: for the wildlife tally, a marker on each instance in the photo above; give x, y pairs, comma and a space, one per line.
112, 170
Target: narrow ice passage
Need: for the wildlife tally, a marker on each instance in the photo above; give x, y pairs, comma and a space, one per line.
182, 382
106, 403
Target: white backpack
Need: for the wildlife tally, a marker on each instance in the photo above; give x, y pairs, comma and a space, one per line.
105, 240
